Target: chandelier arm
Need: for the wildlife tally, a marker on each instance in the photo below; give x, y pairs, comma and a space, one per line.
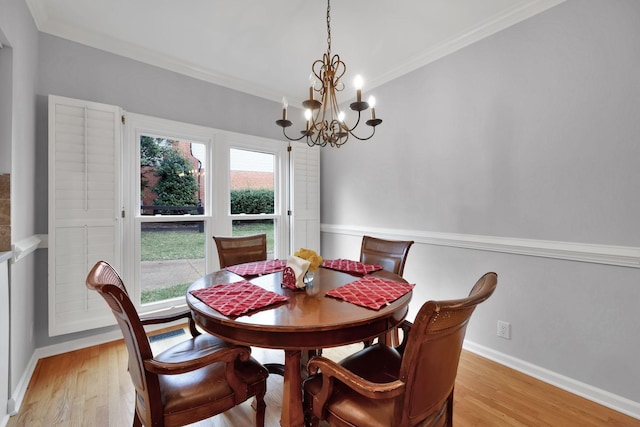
354, 126
363, 139
292, 139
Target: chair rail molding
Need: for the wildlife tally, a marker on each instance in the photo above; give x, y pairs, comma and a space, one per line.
623, 256
24, 247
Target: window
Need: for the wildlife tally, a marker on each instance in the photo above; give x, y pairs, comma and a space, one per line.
252, 195
148, 197
193, 183
172, 188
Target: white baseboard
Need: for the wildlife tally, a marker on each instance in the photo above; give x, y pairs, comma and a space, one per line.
602, 397
17, 397
13, 405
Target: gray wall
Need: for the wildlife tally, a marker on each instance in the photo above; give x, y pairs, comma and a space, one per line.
531, 133
20, 35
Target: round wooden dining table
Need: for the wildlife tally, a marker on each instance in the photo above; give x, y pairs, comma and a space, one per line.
308, 320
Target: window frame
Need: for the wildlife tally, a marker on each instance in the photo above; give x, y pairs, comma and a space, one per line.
223, 188
217, 217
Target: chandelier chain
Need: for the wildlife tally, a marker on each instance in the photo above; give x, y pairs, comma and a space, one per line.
328, 28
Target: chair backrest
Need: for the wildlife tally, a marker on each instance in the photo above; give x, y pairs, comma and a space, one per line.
389, 254
104, 279
432, 352
238, 250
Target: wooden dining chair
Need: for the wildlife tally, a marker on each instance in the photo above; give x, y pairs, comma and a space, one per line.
405, 386
391, 255
191, 381
239, 250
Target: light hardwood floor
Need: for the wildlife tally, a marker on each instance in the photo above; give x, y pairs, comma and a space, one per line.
91, 387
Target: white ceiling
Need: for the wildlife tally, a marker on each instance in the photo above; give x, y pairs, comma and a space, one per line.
266, 47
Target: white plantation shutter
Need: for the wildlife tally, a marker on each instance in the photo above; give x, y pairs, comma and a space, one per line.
305, 197
84, 205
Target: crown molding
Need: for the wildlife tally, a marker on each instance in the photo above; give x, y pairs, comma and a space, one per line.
128, 50
38, 12
483, 30
123, 48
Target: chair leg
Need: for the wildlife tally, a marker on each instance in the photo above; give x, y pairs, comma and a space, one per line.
395, 337
312, 353
260, 407
390, 338
310, 420
449, 421
137, 422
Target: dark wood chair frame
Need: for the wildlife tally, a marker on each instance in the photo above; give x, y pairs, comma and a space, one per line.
391, 255
189, 382
405, 386
240, 250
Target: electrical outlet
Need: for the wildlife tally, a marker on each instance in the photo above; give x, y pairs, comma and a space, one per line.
504, 330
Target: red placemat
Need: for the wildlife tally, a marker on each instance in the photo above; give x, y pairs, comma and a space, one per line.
371, 292
234, 299
257, 268
352, 267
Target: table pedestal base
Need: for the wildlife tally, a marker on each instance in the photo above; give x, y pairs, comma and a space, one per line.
292, 414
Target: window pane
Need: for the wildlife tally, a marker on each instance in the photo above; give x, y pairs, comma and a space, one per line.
171, 176
250, 227
252, 181
172, 257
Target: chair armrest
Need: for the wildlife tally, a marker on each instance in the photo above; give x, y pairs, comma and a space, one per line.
331, 370
228, 355
166, 318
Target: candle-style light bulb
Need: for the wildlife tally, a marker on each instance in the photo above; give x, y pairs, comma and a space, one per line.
285, 104
307, 115
341, 116
357, 82
312, 84
372, 104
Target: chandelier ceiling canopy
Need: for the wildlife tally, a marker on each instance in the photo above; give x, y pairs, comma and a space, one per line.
325, 122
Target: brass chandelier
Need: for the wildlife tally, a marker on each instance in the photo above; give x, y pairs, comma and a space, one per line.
325, 122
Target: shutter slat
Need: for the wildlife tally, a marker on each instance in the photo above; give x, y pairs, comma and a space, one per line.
305, 182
